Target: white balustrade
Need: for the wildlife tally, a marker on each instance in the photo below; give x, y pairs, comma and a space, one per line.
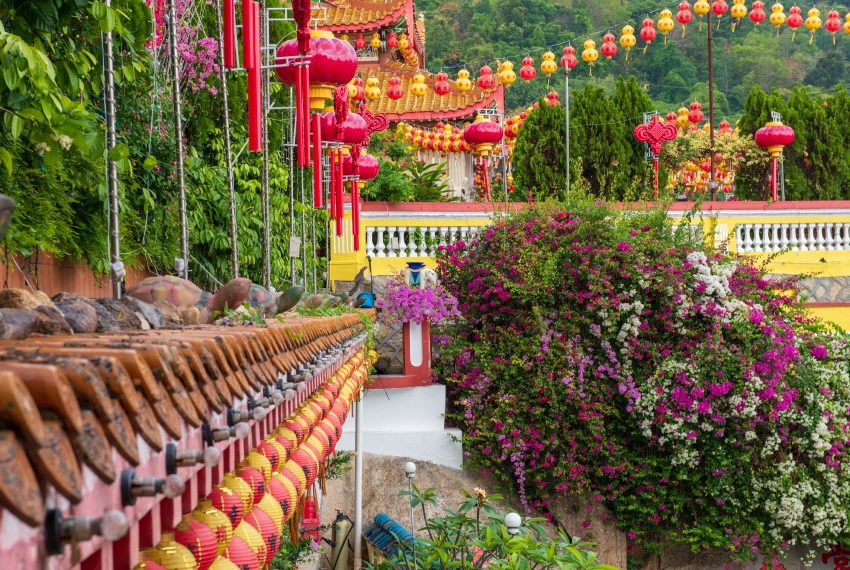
414, 241
822, 236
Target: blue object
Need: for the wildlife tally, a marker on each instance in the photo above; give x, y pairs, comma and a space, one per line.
368, 303
415, 268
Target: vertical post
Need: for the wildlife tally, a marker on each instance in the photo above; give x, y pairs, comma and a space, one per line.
711, 107
358, 482
178, 134
773, 179
116, 268
228, 152
264, 188
782, 174
293, 142
567, 104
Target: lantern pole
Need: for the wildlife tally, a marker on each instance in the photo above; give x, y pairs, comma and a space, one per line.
712, 183
178, 135
264, 181
116, 265
567, 139
782, 173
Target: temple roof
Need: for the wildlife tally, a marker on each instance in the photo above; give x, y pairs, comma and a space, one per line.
431, 107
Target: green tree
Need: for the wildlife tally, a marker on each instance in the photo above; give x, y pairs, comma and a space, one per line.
631, 102
828, 71
540, 153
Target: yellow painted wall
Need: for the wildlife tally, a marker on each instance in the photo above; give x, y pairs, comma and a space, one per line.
838, 315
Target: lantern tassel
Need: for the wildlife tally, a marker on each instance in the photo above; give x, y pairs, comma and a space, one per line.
833, 39
812, 37
644, 48
591, 70
700, 24
734, 23
777, 31
684, 26
718, 22
627, 55
793, 34
665, 41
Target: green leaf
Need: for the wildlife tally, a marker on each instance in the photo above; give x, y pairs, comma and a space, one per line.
41, 15
119, 152
150, 163
6, 158
17, 126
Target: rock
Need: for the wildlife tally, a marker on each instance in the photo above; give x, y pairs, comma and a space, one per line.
152, 315
190, 315
315, 301
146, 326
169, 312
23, 299
51, 321
19, 323
105, 321
123, 316
80, 316
65, 296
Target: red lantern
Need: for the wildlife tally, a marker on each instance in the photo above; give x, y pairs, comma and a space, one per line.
833, 24
392, 41
357, 93
264, 524
199, 539
527, 70
270, 452
395, 91
308, 464
719, 7
360, 43
774, 136
353, 129
795, 20
552, 98
483, 136
254, 477
229, 503
241, 554
609, 48
647, 32
299, 427
695, 115
369, 167
684, 16
333, 62
293, 478
569, 60
757, 14
441, 85
671, 117
486, 79
725, 127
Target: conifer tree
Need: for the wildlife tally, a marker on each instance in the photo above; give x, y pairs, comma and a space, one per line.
631, 102
540, 153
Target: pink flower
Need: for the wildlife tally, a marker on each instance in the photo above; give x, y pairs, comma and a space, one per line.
624, 247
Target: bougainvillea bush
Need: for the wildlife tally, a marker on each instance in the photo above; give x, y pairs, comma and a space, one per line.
611, 359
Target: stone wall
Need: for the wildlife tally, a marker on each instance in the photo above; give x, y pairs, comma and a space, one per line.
822, 289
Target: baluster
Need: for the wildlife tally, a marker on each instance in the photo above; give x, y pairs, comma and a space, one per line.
748, 238
423, 245
432, 249
402, 241
793, 236
444, 238
392, 246
829, 230
452, 234
818, 233
846, 227
370, 247
804, 237
380, 246
739, 246
758, 244
783, 236
775, 237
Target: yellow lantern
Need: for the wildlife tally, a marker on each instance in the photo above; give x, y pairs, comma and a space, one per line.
172, 555
777, 16
463, 82
206, 513
682, 119
375, 42
507, 75
373, 89
548, 66
813, 22
222, 563
241, 487
628, 39
403, 43
418, 87
665, 23
701, 8
847, 24
272, 508
344, 37
739, 11
589, 55
253, 539
261, 463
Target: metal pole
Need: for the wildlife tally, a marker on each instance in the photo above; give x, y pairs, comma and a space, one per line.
291, 164
358, 484
711, 107
567, 103
782, 174
412, 525
303, 234
178, 128
228, 153
264, 187
112, 169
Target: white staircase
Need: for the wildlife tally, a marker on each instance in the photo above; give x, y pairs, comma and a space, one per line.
406, 422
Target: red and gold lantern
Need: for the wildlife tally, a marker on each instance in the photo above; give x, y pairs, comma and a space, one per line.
684, 16
199, 539
609, 48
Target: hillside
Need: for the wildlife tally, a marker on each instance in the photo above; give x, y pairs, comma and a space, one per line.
471, 33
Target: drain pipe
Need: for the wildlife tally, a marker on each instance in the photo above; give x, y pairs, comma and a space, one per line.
358, 484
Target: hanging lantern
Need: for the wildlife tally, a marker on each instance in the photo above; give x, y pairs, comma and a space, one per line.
833, 24
392, 41
647, 32
627, 39
145, 563
282, 453
199, 539
228, 502
241, 554
485, 81
403, 42
260, 462
463, 82
774, 136
725, 127
671, 117
777, 16
665, 24
284, 492
272, 508
395, 91
441, 85
252, 537
216, 520
682, 120
254, 478
355, 89
373, 89
333, 62
719, 7
568, 60
265, 526
222, 563
684, 16
241, 488
609, 48
172, 555
507, 75
795, 20
696, 115
757, 13
847, 24
418, 87
527, 71
701, 8
813, 23
375, 42
548, 67
483, 136
360, 43
295, 474
589, 55
552, 98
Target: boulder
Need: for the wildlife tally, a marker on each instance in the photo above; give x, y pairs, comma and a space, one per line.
169, 312
19, 323
51, 321
151, 314
105, 321
126, 318
80, 316
190, 315
65, 296
23, 299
